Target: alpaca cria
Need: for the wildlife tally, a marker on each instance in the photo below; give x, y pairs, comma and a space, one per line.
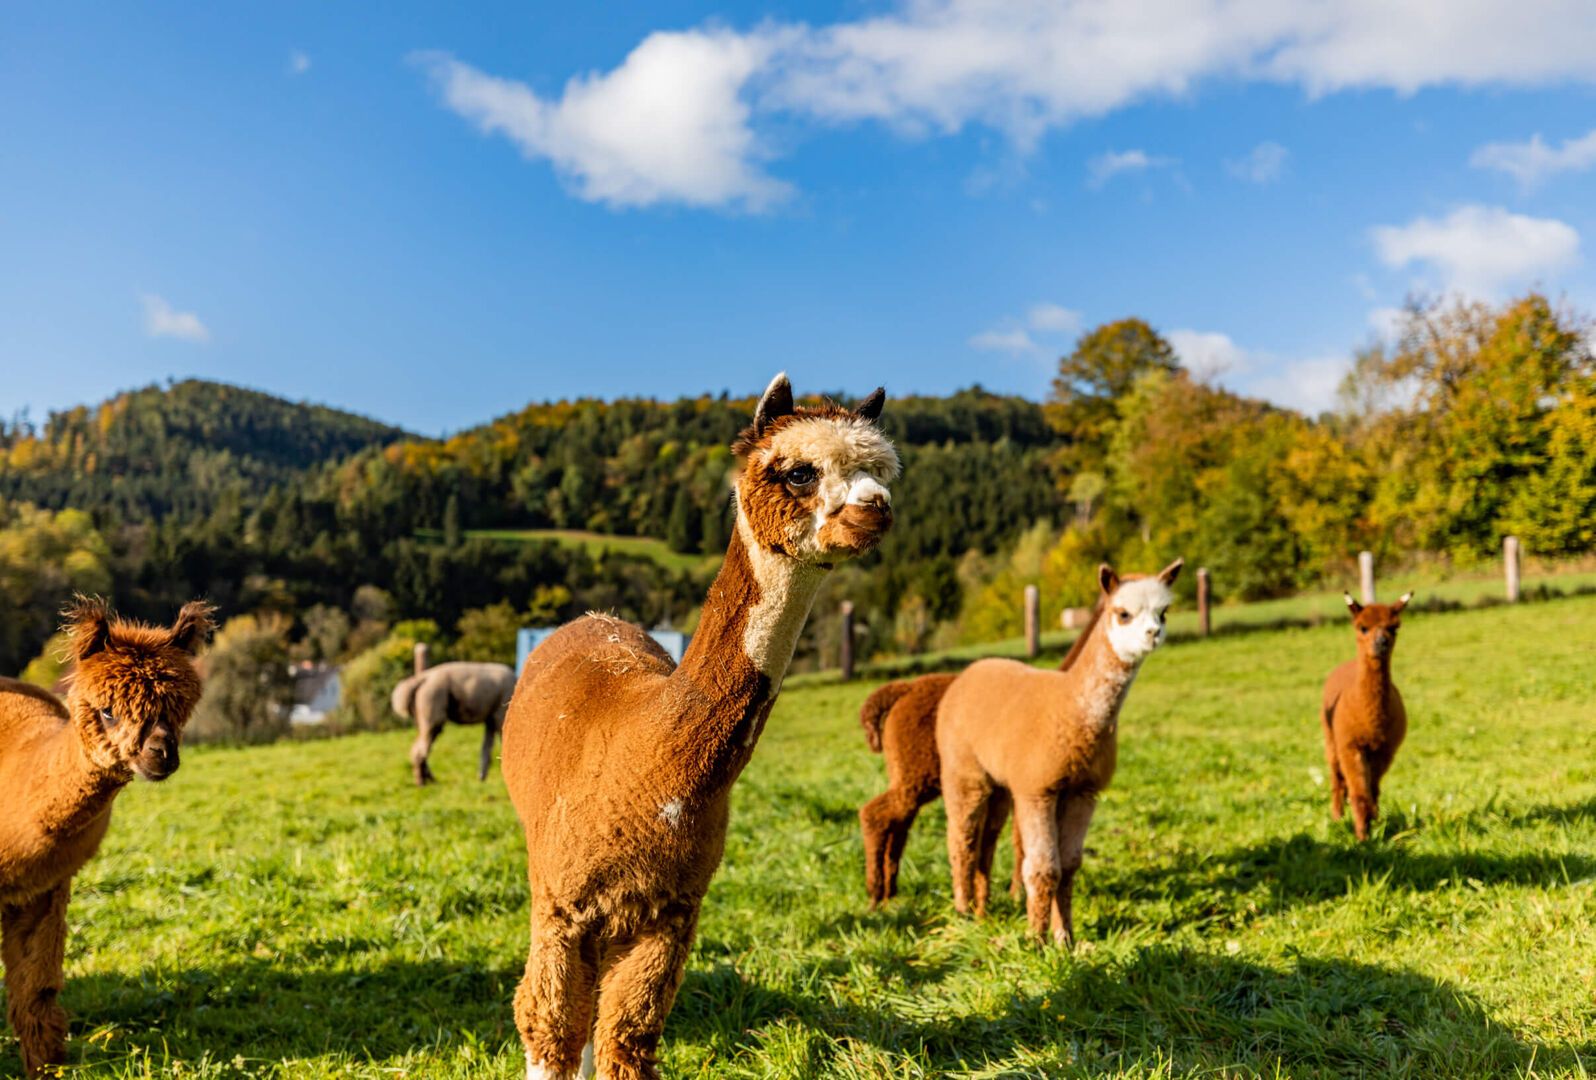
61, 766
1363, 717
620, 766
1045, 742
900, 723
459, 692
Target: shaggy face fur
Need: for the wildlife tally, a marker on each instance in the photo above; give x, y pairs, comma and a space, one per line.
61, 766
1136, 610
620, 764
1362, 714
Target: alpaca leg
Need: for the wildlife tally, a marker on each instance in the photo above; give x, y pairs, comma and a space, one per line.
1036, 816
997, 812
34, 950
640, 980
897, 840
1074, 815
1017, 877
1356, 769
885, 822
554, 1001
426, 734
966, 806
1338, 783
490, 730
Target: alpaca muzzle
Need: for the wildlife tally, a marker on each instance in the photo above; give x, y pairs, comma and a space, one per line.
157, 758
857, 527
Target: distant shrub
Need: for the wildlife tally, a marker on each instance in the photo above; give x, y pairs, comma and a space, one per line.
52, 663
367, 681
248, 687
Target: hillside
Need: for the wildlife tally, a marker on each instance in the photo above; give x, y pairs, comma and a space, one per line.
301, 911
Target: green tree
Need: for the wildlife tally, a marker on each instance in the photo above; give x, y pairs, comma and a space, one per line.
1102, 368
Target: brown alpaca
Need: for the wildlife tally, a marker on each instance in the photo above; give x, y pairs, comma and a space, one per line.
900, 723
1363, 717
1045, 742
61, 766
620, 766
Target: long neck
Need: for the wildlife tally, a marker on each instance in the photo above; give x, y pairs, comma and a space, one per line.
1374, 674
740, 652
1098, 680
81, 778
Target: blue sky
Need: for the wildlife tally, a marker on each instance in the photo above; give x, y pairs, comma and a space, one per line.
434, 214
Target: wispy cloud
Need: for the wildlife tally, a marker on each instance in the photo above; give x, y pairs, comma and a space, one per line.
1053, 319
1009, 341
298, 62
1264, 164
1307, 384
1531, 162
1044, 320
1104, 167
1479, 250
161, 320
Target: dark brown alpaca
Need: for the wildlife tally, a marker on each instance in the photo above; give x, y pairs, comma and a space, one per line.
1363, 716
61, 767
900, 723
620, 766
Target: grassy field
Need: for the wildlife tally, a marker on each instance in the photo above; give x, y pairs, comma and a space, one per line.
646, 547
301, 911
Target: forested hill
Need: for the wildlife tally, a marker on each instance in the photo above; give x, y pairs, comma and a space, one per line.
179, 449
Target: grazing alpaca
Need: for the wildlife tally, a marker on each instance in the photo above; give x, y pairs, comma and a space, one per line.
461, 692
61, 766
620, 766
1045, 741
1363, 717
900, 723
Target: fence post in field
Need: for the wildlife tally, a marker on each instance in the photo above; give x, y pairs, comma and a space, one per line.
1033, 621
422, 654
1510, 556
1203, 588
847, 640
1366, 575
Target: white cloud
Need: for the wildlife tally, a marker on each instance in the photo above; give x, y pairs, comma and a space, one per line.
298, 62
160, 320
1009, 341
1207, 354
1387, 322
675, 121
668, 125
1264, 164
1479, 249
1104, 167
1531, 162
1053, 319
1306, 384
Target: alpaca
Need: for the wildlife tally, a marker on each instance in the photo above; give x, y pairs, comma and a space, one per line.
900, 723
620, 765
459, 691
61, 766
1363, 717
1045, 742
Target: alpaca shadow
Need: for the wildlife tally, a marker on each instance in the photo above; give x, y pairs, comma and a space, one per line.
1581, 813
1306, 869
1165, 1009
271, 1009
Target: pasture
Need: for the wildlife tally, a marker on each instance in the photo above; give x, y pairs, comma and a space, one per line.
300, 910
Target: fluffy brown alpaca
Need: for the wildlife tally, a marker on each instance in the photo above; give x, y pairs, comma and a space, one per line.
900, 723
620, 766
462, 692
61, 766
1046, 743
1363, 717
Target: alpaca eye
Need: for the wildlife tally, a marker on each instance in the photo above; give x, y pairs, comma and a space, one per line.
1124, 616
108, 718
801, 476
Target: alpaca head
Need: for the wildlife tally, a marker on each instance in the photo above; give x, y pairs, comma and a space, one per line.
134, 686
1134, 609
813, 483
1377, 625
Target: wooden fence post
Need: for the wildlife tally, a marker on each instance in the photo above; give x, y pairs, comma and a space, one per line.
1033, 621
1366, 575
847, 640
1203, 590
422, 655
1510, 557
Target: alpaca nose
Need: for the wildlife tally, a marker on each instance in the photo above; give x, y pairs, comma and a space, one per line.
866, 490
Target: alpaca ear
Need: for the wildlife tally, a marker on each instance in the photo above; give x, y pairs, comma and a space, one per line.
1107, 580
1169, 573
870, 407
193, 627
1352, 605
776, 402
1402, 601
88, 623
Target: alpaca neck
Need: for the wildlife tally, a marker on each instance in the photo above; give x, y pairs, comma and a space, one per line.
82, 777
1374, 675
1099, 681
740, 652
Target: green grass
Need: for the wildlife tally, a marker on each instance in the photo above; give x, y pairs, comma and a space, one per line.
593, 543
300, 910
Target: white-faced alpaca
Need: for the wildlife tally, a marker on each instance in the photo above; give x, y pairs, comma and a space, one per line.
620, 766
1363, 716
1047, 742
61, 767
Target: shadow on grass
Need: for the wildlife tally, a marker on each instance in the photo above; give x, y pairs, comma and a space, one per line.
1190, 1011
